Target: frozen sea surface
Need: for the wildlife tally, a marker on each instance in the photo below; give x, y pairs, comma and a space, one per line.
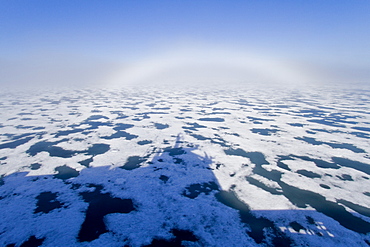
185, 167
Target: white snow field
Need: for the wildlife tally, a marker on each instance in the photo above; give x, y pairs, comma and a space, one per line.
157, 166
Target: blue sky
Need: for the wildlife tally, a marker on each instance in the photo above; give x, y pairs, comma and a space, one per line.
101, 36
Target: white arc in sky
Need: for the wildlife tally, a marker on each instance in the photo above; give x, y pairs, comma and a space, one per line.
209, 65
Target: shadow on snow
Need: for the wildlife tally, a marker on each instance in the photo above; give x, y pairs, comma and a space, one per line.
172, 200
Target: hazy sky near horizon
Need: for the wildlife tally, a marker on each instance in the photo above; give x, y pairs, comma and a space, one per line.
100, 42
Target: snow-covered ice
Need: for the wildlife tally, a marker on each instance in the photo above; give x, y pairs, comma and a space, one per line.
157, 166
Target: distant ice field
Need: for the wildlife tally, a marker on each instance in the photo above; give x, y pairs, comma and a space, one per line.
168, 166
